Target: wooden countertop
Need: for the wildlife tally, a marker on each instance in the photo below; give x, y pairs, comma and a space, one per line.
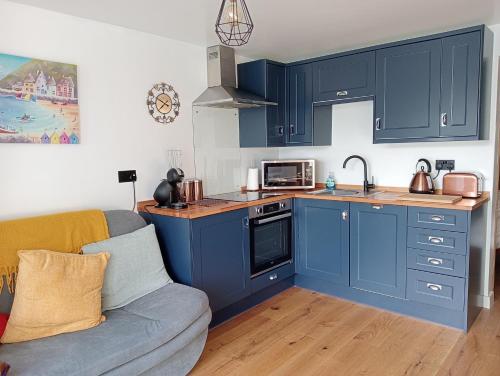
381, 196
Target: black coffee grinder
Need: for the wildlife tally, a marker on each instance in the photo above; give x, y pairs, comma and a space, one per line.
167, 194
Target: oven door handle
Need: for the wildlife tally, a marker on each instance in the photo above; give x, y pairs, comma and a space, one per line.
272, 219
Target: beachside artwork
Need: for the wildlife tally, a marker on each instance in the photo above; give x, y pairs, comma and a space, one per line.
38, 101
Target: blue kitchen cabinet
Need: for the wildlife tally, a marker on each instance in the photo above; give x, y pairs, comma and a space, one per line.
263, 126
407, 103
344, 77
221, 267
322, 229
429, 90
425, 89
378, 248
293, 122
210, 253
461, 72
300, 104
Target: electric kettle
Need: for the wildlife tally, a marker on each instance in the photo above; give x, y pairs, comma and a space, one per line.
422, 181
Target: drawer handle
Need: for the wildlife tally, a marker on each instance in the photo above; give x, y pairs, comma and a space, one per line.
436, 240
341, 93
434, 287
434, 261
377, 207
437, 218
272, 277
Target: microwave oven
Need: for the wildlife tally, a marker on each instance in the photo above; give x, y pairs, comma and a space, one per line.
288, 174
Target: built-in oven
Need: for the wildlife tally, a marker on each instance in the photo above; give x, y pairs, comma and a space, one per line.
270, 236
288, 174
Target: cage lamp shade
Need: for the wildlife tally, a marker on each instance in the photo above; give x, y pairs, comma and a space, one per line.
234, 25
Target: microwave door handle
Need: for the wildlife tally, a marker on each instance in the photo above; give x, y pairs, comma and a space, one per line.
272, 219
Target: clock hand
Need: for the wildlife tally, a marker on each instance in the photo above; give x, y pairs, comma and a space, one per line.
162, 102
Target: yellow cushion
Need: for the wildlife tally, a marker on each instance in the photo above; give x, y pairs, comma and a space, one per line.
55, 293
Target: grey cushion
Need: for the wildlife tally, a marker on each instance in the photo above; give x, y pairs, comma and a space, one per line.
166, 360
127, 334
123, 221
134, 269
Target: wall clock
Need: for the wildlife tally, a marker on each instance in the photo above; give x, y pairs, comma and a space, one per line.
163, 103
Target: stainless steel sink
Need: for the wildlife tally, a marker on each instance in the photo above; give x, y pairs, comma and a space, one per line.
342, 193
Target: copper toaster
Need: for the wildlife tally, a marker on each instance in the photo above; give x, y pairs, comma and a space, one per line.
465, 184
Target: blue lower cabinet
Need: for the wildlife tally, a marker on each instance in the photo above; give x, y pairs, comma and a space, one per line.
322, 229
437, 240
221, 257
378, 248
394, 257
437, 262
436, 289
439, 219
272, 277
212, 253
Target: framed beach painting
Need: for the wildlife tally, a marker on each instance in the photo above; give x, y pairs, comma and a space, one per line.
38, 101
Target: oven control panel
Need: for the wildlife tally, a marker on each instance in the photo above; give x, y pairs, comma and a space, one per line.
271, 208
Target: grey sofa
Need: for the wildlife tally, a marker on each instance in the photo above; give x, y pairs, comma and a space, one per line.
162, 333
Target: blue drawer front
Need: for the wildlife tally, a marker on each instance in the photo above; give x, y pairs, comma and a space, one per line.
436, 289
435, 240
436, 262
270, 278
438, 219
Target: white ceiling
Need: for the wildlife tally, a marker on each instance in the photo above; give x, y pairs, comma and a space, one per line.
288, 29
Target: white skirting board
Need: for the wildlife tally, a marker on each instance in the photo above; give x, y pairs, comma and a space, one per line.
485, 301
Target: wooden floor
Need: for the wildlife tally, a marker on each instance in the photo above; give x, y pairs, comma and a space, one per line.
300, 332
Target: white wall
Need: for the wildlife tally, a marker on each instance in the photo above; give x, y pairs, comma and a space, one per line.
393, 165
390, 164
116, 68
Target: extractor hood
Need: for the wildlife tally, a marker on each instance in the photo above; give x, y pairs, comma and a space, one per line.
222, 91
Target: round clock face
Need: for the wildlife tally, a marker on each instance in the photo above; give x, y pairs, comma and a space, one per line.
163, 103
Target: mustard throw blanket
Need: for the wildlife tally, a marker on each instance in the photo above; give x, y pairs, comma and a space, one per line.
66, 232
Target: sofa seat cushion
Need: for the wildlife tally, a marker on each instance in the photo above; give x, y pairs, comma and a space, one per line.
128, 333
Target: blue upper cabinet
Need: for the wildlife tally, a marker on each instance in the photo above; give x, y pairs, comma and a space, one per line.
344, 77
378, 248
461, 71
221, 257
322, 229
429, 90
300, 110
425, 89
408, 92
263, 126
276, 115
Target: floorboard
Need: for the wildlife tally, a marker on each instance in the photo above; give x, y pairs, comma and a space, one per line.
301, 332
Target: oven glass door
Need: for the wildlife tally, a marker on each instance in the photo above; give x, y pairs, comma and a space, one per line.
270, 242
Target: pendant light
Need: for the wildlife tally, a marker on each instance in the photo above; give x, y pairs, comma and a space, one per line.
234, 24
